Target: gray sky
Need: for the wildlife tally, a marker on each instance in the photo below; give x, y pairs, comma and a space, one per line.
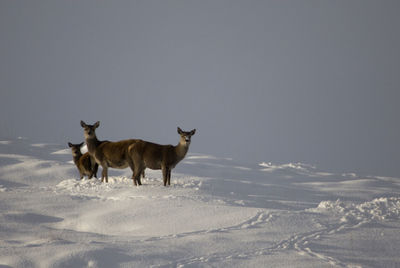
310, 81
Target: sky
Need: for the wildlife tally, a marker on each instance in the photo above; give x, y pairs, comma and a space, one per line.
276, 81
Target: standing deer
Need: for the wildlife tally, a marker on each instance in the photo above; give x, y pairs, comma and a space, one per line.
85, 164
109, 154
155, 156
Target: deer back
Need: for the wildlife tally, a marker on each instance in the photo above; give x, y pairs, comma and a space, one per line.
115, 154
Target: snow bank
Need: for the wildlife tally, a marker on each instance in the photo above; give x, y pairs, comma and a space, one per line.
378, 209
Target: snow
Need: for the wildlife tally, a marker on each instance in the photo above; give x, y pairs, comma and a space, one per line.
216, 213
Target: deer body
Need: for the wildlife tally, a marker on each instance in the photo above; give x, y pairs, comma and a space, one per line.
84, 162
109, 154
155, 156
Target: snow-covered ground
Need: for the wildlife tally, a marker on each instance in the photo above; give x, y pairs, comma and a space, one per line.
216, 213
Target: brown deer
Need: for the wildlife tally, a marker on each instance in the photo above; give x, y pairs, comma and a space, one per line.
85, 164
165, 157
109, 154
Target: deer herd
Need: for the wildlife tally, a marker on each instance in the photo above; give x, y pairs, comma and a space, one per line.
134, 153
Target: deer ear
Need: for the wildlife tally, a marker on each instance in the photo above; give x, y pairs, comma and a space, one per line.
179, 130
69, 144
97, 124
192, 132
83, 124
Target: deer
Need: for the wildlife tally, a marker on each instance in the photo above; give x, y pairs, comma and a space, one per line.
155, 156
84, 162
110, 154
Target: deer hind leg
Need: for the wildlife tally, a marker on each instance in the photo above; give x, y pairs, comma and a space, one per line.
134, 178
140, 172
135, 182
136, 163
104, 173
136, 174
90, 173
81, 173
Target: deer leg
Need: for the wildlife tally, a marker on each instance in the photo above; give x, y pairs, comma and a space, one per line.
169, 176
104, 174
134, 172
96, 166
138, 179
90, 175
93, 167
131, 165
165, 174
134, 179
136, 175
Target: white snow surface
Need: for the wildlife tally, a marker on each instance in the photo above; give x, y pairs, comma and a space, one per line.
216, 213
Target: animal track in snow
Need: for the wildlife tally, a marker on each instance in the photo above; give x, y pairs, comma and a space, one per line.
261, 217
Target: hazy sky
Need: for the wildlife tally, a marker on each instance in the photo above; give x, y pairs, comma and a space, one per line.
309, 81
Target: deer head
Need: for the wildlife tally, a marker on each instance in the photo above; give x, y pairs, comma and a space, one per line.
76, 148
90, 130
185, 136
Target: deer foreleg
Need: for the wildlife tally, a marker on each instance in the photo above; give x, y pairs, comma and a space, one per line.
95, 168
169, 176
165, 175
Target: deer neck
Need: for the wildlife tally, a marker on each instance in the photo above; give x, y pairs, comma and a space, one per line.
92, 143
181, 149
76, 158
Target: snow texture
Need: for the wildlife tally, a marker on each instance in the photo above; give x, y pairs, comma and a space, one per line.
216, 213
